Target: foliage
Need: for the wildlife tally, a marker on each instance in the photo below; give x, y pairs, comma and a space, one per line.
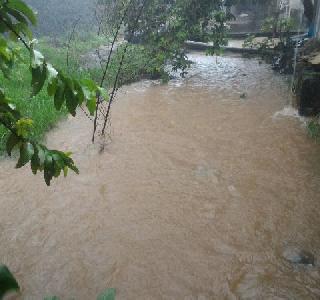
218, 31
138, 63
8, 284
280, 27
16, 18
164, 26
314, 129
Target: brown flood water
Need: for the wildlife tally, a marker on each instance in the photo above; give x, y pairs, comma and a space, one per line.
196, 197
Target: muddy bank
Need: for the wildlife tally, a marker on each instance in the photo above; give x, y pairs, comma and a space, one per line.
196, 197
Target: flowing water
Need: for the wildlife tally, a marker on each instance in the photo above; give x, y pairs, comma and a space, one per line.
196, 196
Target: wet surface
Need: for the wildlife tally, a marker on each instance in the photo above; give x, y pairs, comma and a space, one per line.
197, 196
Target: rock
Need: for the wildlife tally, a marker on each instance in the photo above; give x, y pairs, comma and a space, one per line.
308, 100
299, 257
95, 57
243, 96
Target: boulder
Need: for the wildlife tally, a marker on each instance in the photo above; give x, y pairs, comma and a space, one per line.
299, 257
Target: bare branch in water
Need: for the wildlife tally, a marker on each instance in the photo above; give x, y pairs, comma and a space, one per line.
115, 85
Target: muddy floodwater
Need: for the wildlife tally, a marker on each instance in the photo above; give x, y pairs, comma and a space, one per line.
205, 182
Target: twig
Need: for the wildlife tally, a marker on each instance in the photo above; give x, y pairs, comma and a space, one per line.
71, 36
115, 37
17, 34
115, 85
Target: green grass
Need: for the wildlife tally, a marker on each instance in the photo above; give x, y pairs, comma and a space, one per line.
138, 64
314, 129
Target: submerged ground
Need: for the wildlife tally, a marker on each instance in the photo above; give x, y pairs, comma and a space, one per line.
196, 196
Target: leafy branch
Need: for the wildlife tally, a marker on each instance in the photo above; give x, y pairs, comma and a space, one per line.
15, 18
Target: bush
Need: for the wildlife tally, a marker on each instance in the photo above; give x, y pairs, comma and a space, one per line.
314, 129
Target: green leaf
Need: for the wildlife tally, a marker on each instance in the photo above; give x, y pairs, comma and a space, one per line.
7, 281
65, 171
23, 8
74, 169
89, 84
24, 127
26, 153
52, 87
109, 294
59, 95
12, 141
91, 105
79, 92
35, 163
48, 168
37, 160
39, 76
71, 101
2, 95
104, 94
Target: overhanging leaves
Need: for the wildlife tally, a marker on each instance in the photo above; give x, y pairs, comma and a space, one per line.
7, 282
109, 294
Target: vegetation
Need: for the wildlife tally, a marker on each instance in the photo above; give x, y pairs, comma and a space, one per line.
9, 284
280, 27
14, 23
314, 129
